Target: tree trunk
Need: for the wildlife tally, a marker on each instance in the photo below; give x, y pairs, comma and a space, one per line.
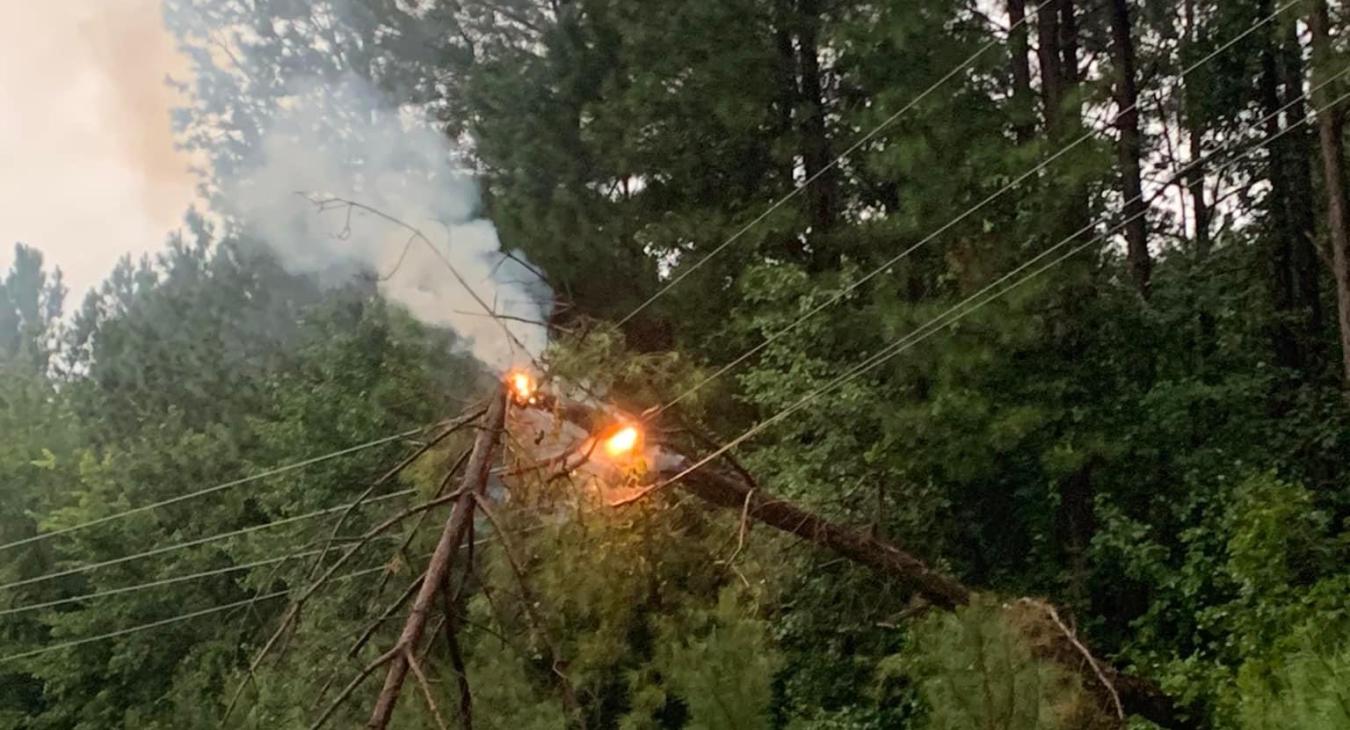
1048, 58
816, 156
442, 560
1137, 696
1024, 104
787, 78
1130, 148
1195, 136
1196, 186
1306, 273
1297, 310
1331, 134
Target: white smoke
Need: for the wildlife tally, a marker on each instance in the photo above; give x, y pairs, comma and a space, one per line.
341, 140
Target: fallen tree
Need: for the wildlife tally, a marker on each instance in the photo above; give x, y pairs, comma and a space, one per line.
1122, 693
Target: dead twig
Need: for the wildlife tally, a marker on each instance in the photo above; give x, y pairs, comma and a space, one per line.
422, 518
293, 611
388, 613
334, 202
352, 686
398, 468
426, 687
527, 601
1072, 638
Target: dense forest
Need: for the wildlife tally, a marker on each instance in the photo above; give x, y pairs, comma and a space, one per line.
1056, 295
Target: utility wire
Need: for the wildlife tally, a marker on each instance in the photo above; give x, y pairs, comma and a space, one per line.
937, 324
158, 583
1014, 184
208, 611
176, 619
202, 541
186, 578
833, 164
211, 490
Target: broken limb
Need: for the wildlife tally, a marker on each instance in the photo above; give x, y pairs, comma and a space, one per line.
452, 535
410, 657
293, 611
1135, 696
397, 469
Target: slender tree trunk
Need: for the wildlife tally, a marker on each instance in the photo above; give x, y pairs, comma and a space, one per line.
1306, 274
1068, 42
1048, 58
1130, 148
1293, 296
1331, 134
1071, 108
1195, 137
1057, 26
787, 76
1024, 104
816, 156
1195, 181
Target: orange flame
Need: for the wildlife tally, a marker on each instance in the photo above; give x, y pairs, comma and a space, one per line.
522, 386
623, 441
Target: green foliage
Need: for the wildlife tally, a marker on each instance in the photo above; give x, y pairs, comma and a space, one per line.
975, 669
1308, 691
721, 663
1170, 471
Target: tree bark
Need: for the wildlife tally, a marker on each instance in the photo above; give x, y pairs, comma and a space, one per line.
1024, 104
1130, 147
1331, 134
1049, 59
442, 560
1306, 272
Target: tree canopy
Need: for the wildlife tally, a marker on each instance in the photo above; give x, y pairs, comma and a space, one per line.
734, 203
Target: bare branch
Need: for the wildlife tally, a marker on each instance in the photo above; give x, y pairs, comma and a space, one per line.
411, 658
569, 697
352, 686
398, 468
442, 560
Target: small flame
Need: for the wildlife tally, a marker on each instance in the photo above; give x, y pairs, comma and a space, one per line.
522, 386
623, 441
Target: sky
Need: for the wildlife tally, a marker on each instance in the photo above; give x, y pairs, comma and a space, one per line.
88, 169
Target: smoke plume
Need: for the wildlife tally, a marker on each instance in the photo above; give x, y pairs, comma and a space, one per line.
335, 141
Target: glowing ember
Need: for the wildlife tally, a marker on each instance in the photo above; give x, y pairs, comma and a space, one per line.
522, 386
623, 441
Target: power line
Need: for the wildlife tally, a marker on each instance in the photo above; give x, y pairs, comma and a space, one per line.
176, 619
209, 611
158, 583
937, 324
1014, 184
185, 578
203, 540
833, 164
211, 490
